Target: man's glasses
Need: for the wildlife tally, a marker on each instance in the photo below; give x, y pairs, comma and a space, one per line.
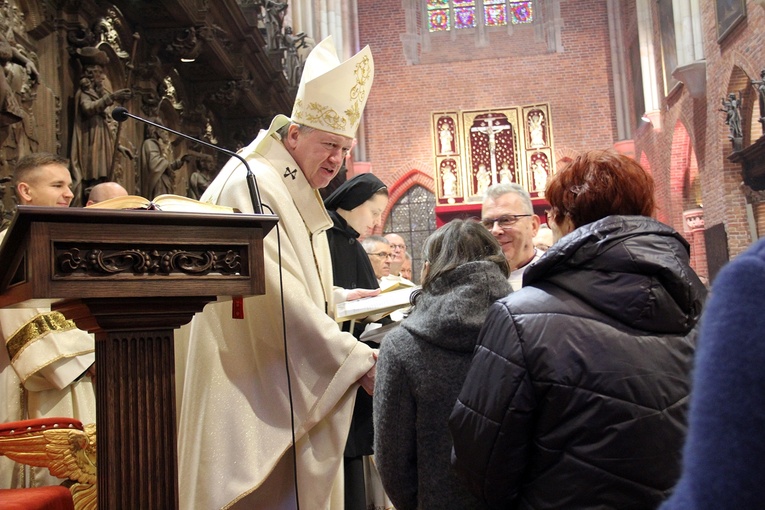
504, 222
398, 246
381, 254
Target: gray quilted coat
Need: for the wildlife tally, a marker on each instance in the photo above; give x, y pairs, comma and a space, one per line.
419, 374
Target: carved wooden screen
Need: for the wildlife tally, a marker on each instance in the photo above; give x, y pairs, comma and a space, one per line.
475, 149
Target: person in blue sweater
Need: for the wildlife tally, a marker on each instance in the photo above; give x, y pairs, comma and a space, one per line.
723, 465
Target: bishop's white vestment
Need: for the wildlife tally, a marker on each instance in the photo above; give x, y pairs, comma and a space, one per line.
234, 421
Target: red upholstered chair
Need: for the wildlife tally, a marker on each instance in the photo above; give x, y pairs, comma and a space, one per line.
63, 446
37, 498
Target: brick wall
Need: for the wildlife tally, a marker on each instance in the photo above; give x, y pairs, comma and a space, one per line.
731, 65
576, 83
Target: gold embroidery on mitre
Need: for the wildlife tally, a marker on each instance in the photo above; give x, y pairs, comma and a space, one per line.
353, 113
35, 328
325, 115
298, 109
363, 72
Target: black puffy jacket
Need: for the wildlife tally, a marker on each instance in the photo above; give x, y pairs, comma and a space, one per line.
577, 393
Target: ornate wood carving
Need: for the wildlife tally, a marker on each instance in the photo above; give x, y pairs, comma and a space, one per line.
146, 261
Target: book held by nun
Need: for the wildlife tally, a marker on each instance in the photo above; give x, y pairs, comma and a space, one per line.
374, 307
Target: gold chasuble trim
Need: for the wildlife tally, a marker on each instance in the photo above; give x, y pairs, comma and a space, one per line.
37, 327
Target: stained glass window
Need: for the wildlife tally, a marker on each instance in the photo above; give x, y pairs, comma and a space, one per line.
445, 15
521, 12
438, 19
464, 17
414, 219
495, 13
438, 15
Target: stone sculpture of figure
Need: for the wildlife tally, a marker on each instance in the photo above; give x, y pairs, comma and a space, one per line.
484, 179
22, 136
157, 165
305, 49
446, 138
10, 110
93, 133
760, 86
292, 62
732, 109
450, 182
3, 220
275, 12
201, 177
539, 170
505, 174
536, 131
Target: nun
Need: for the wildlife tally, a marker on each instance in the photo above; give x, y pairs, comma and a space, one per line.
356, 209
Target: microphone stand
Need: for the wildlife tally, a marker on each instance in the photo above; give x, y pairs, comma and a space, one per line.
121, 114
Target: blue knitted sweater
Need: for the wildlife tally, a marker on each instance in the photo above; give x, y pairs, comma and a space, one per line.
724, 455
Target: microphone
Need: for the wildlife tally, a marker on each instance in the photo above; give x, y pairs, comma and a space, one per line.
121, 114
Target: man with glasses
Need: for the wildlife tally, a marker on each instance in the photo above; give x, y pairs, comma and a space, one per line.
508, 214
398, 247
406, 268
400, 260
380, 254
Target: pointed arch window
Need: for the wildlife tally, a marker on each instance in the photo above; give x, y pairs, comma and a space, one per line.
413, 218
445, 15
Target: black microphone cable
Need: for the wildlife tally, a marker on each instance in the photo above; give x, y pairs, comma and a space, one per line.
286, 360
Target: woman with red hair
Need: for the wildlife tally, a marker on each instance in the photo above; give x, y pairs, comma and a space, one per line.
577, 394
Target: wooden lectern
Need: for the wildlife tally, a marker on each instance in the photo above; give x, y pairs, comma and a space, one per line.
132, 277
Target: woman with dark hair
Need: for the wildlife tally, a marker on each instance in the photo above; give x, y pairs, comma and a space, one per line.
577, 394
355, 207
423, 362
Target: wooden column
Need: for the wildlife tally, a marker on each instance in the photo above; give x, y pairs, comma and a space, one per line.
135, 394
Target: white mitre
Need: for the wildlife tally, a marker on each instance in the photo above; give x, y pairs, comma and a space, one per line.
332, 95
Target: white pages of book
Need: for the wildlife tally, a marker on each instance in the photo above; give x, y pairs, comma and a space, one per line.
381, 304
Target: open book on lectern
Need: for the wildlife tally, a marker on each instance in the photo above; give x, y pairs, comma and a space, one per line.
377, 306
167, 202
